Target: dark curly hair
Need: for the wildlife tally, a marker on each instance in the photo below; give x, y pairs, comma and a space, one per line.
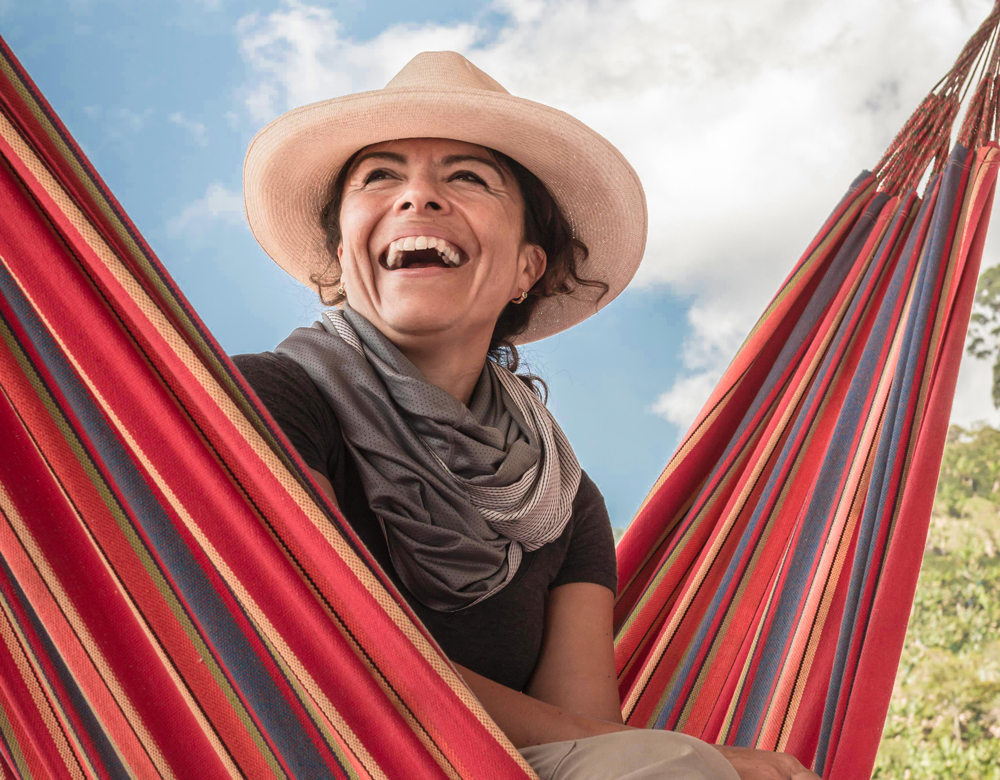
544, 225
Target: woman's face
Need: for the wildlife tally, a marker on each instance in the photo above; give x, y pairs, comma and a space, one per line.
448, 191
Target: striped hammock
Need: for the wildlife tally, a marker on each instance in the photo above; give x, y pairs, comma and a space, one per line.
179, 599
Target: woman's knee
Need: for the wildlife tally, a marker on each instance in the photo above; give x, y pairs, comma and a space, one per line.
630, 755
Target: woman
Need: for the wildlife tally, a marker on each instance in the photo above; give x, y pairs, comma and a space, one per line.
460, 221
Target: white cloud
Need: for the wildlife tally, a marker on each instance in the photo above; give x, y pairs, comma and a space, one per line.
133, 120
217, 204
684, 399
300, 55
197, 129
745, 121
121, 120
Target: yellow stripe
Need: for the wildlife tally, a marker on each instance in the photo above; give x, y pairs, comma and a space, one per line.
162, 586
727, 723
847, 513
21, 532
65, 741
761, 467
10, 738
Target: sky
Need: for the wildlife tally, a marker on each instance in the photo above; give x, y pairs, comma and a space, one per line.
746, 122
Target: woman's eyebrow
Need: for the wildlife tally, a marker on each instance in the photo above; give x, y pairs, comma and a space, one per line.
393, 156
453, 159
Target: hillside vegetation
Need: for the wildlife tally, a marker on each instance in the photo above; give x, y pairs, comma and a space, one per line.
944, 719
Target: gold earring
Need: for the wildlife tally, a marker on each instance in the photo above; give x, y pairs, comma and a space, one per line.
340, 290
521, 297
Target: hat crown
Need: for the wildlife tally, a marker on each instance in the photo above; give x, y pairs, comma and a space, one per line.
443, 70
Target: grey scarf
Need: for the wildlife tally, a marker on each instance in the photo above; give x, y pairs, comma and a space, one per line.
461, 491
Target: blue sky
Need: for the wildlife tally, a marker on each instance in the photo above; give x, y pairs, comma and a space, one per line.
745, 126
116, 72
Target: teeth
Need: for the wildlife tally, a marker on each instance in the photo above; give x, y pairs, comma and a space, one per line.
395, 256
448, 252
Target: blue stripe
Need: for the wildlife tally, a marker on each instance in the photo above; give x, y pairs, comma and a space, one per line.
891, 445
222, 634
107, 758
846, 257
813, 519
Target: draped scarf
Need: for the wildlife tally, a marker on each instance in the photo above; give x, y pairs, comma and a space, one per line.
460, 491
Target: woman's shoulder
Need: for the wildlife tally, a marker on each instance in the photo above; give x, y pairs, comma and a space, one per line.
296, 404
588, 493
590, 555
269, 369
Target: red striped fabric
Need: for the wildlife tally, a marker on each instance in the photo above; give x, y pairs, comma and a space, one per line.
178, 598
753, 600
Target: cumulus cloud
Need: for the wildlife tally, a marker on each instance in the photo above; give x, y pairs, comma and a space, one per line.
745, 121
299, 54
217, 204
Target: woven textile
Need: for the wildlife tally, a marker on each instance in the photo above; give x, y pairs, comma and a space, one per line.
179, 599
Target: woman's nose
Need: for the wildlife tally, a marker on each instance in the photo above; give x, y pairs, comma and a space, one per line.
415, 205
420, 196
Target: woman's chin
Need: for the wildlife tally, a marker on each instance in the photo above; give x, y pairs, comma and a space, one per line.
414, 316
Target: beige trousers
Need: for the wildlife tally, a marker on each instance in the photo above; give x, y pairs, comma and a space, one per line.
640, 754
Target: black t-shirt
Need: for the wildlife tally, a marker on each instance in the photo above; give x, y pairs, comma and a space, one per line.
500, 637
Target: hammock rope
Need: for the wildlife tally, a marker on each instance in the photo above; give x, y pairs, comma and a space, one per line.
179, 598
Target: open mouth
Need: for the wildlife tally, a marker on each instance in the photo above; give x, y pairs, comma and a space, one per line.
422, 252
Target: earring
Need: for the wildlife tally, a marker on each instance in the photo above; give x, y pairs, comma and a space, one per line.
521, 297
340, 290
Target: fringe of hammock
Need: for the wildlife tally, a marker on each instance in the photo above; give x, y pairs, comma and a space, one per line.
926, 136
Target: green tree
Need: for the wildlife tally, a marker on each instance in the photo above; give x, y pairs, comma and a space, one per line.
984, 330
944, 718
970, 467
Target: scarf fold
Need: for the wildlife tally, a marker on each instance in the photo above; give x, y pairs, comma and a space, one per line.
460, 491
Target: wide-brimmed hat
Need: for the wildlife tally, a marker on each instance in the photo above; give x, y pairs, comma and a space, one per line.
291, 163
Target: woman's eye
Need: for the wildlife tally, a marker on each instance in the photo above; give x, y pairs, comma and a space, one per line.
469, 176
378, 173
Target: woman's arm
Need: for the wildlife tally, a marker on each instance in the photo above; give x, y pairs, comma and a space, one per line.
529, 721
576, 669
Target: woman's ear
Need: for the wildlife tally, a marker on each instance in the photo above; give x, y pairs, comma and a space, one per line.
535, 261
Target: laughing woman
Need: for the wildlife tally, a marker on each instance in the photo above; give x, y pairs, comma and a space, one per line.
449, 221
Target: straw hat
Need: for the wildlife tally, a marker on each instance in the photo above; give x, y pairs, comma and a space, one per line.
291, 163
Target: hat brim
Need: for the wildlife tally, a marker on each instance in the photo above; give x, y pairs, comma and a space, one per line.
292, 161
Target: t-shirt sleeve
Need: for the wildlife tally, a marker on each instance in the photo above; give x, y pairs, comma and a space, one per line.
296, 405
591, 554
